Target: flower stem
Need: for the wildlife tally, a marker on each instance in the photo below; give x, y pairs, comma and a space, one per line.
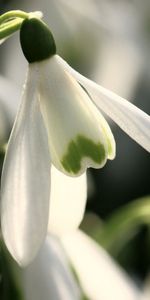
13, 14
10, 27
11, 21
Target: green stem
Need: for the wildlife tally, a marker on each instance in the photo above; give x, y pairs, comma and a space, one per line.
123, 224
10, 27
13, 14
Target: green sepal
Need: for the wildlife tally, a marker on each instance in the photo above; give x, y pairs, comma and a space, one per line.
36, 40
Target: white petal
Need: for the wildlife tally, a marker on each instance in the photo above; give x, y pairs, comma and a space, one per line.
26, 180
67, 202
74, 124
3, 40
99, 276
131, 119
49, 276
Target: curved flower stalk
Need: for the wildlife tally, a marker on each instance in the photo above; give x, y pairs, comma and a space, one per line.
11, 21
59, 122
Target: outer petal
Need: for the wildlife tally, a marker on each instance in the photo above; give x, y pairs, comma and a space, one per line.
99, 276
26, 179
131, 119
76, 130
49, 276
68, 199
2, 41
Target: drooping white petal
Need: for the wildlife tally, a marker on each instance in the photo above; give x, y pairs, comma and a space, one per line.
77, 132
67, 202
26, 179
3, 40
131, 119
99, 276
49, 275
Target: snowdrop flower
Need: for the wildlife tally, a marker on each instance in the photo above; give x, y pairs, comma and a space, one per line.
59, 122
108, 281
50, 272
68, 199
49, 275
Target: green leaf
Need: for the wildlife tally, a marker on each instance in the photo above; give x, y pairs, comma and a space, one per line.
123, 224
9, 287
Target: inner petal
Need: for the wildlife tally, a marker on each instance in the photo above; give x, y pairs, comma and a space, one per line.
77, 135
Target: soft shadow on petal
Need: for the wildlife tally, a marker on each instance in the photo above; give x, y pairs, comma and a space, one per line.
131, 119
26, 179
49, 275
67, 202
99, 276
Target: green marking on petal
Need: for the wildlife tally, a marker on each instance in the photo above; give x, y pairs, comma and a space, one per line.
78, 149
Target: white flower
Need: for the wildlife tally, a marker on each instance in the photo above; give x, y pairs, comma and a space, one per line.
49, 276
98, 275
67, 202
58, 123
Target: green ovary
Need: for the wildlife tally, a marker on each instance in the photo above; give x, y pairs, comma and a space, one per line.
80, 148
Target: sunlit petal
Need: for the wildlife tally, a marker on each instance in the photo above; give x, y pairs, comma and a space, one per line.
3, 40
67, 202
99, 276
77, 135
131, 119
26, 180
